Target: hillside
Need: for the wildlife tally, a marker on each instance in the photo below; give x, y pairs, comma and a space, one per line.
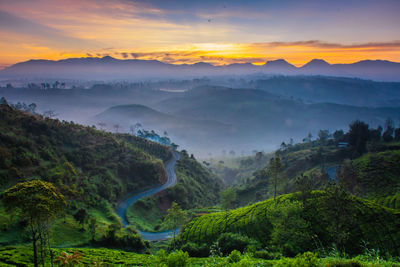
196, 188
92, 169
307, 223
261, 119
347, 91
205, 131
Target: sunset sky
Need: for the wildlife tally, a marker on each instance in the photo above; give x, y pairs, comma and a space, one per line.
219, 32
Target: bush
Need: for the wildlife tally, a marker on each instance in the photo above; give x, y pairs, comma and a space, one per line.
308, 259
235, 256
177, 259
266, 255
343, 263
196, 250
228, 242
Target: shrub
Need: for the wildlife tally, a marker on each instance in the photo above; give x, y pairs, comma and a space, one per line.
228, 242
177, 259
235, 256
266, 255
308, 259
196, 250
342, 263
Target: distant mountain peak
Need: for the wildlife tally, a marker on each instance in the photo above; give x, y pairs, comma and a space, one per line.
279, 65
316, 63
108, 58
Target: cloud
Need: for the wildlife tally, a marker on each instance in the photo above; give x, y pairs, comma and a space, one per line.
326, 45
38, 33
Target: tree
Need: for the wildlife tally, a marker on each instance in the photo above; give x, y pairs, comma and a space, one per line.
308, 138
323, 135
290, 231
228, 197
38, 203
175, 218
339, 213
304, 184
50, 114
274, 169
32, 108
3, 101
389, 130
92, 227
358, 136
81, 216
338, 135
375, 134
397, 134
102, 125
347, 177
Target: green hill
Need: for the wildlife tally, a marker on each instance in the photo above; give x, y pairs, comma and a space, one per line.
93, 169
323, 219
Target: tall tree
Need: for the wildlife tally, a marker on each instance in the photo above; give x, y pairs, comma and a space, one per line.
358, 136
175, 218
389, 130
36, 202
274, 168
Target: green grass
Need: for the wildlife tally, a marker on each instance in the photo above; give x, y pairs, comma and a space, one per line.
22, 256
145, 215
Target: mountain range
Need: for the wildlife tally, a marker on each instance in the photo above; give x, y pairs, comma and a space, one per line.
109, 68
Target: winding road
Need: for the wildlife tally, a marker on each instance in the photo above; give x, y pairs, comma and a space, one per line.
131, 198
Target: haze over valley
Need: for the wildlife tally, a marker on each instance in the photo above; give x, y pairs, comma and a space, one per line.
199, 133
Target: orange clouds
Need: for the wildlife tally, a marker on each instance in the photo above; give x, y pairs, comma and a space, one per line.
297, 53
57, 29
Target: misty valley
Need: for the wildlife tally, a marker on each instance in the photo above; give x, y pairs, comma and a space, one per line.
241, 170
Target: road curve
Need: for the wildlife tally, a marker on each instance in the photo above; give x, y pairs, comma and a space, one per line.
132, 197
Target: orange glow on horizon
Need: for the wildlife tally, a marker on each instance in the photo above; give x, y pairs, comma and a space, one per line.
215, 53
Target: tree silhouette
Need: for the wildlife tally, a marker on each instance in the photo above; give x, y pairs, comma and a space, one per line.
274, 169
358, 136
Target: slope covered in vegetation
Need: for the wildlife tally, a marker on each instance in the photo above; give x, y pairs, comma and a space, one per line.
196, 187
303, 222
91, 168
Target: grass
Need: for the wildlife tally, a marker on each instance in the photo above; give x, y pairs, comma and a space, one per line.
145, 215
22, 256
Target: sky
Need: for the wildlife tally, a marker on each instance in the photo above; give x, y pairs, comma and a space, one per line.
184, 31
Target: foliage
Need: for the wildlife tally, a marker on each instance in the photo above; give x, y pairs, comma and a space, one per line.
228, 197
228, 242
378, 173
38, 203
358, 136
234, 256
291, 232
175, 218
21, 256
69, 259
177, 259
274, 168
196, 250
365, 223
308, 259
126, 239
